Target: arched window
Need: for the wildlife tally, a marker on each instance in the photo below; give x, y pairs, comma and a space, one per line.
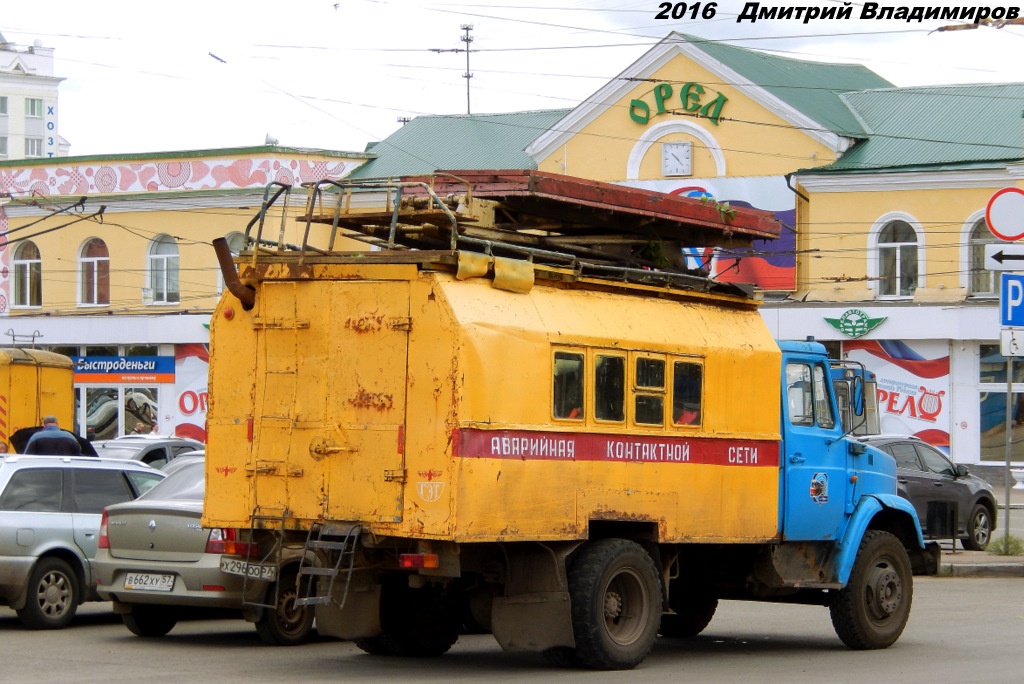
163, 270
28, 275
983, 282
94, 274
897, 260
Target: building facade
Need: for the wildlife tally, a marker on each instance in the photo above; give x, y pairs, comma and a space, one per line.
28, 103
108, 260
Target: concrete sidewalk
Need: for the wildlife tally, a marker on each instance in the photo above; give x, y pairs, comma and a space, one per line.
956, 562
962, 563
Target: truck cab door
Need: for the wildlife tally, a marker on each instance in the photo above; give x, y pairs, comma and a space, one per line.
815, 458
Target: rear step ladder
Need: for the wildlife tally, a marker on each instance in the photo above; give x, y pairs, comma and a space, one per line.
262, 519
339, 543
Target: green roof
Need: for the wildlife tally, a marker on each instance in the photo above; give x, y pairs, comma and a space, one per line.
960, 125
812, 88
477, 141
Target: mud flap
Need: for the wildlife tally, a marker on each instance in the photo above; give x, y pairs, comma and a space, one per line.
925, 561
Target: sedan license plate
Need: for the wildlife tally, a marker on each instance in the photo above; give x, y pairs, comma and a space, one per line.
144, 581
233, 566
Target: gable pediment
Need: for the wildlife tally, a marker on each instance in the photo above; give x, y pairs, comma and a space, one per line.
681, 48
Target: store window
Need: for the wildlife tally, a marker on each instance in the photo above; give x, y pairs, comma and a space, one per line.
101, 412
163, 270
94, 274
28, 275
983, 282
992, 400
897, 254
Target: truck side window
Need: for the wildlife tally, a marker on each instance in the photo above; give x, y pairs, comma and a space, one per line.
807, 397
822, 399
686, 389
610, 388
649, 381
567, 397
799, 396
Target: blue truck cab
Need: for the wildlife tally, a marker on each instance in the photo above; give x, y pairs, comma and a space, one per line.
840, 516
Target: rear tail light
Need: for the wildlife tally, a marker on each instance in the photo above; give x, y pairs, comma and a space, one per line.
104, 542
418, 560
225, 540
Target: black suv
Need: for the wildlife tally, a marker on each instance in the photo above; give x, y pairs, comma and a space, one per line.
950, 502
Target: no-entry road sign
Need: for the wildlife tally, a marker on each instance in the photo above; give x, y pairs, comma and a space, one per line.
1005, 214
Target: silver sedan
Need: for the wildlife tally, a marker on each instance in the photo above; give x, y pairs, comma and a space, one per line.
157, 563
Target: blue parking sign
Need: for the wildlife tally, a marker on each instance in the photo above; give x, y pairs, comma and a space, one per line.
1011, 300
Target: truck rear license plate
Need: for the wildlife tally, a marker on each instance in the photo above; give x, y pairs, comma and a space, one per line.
144, 581
233, 566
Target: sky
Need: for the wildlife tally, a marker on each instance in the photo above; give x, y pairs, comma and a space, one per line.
338, 74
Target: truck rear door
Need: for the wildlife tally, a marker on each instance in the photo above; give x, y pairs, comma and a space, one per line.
330, 399
815, 466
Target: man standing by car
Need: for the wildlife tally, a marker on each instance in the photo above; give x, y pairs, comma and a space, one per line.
51, 440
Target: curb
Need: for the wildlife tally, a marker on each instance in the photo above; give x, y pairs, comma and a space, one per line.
982, 570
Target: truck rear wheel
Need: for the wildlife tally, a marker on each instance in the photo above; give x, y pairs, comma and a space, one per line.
286, 624
872, 609
615, 592
415, 623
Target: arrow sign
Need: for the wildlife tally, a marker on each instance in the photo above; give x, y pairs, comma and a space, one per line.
1004, 257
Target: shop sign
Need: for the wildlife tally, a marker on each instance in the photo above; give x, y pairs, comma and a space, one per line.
690, 99
123, 369
855, 323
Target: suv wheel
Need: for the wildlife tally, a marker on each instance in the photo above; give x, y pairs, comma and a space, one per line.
979, 529
52, 595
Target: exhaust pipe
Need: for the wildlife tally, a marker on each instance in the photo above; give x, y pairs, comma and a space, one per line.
245, 294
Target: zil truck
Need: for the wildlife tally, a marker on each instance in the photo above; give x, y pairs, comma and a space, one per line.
33, 384
495, 401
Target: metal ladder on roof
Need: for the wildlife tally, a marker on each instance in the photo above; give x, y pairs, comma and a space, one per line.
336, 544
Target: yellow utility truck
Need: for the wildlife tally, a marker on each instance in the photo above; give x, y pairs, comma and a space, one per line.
512, 409
33, 385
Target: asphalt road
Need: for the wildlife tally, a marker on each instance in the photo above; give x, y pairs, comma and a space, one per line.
961, 630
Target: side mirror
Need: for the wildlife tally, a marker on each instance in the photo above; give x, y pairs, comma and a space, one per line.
857, 398
857, 448
962, 471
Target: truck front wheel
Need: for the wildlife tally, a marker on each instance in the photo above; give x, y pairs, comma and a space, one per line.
693, 612
872, 609
615, 592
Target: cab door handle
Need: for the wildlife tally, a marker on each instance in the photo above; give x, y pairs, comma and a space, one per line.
796, 458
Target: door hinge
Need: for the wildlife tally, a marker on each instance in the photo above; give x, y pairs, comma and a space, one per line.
395, 476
